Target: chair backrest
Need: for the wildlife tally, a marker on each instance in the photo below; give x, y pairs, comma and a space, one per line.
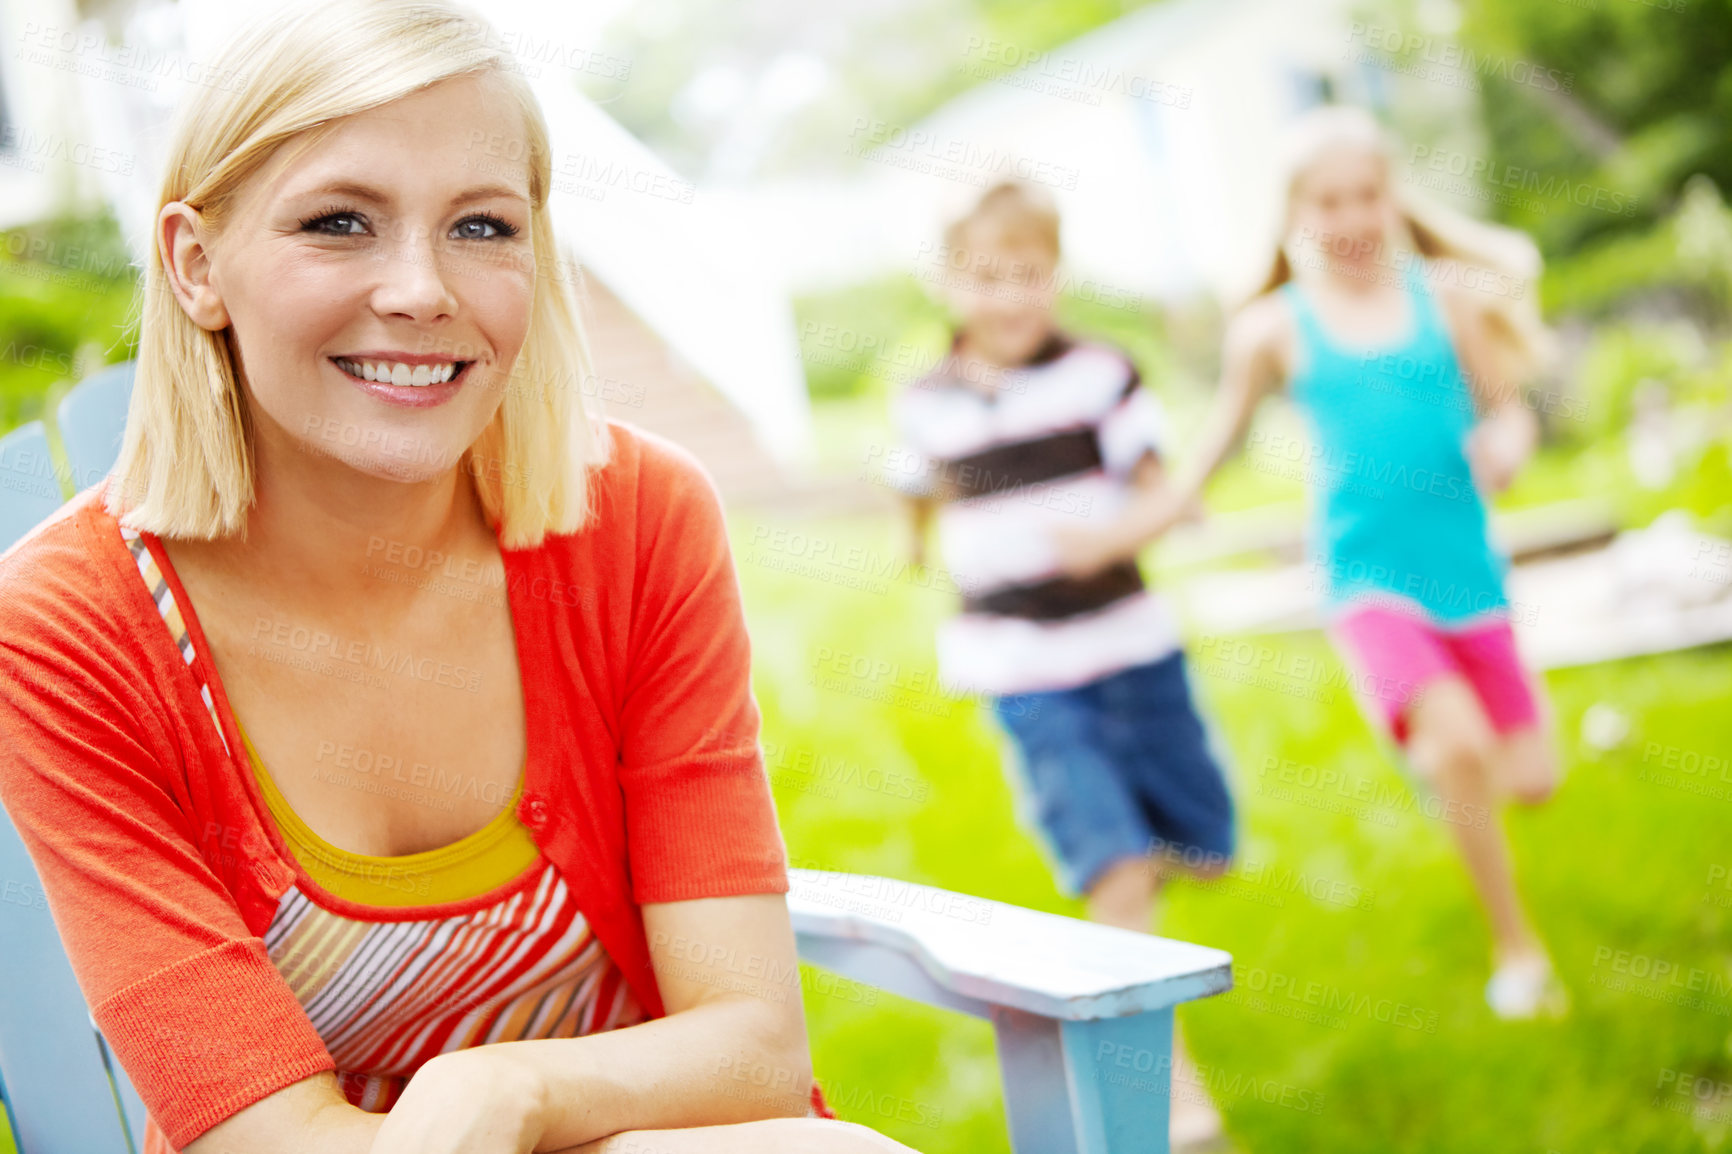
62, 1090
91, 419
29, 490
53, 1069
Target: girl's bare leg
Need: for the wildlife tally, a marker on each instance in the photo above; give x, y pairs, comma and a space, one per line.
1452, 746
1527, 766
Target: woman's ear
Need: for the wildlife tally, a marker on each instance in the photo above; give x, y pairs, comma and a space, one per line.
182, 239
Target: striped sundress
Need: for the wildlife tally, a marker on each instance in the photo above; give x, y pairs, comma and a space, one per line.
409, 980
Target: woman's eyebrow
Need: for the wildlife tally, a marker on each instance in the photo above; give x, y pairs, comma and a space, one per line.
371, 195
349, 189
488, 192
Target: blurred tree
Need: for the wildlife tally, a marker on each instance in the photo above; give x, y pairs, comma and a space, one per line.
1646, 103
66, 297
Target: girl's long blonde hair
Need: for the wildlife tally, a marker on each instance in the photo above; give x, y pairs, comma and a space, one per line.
185, 467
1432, 230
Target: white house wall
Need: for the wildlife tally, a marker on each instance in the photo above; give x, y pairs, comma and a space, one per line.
1162, 197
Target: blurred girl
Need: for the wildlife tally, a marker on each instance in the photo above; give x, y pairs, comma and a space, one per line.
1399, 330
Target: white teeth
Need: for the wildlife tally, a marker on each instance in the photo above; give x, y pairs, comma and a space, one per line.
398, 373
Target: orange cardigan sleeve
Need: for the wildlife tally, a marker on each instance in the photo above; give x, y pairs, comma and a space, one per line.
91, 774
700, 821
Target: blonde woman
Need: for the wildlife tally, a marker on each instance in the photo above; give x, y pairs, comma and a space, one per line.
381, 728
1403, 332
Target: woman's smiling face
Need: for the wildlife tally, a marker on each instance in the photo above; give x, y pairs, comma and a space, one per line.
393, 249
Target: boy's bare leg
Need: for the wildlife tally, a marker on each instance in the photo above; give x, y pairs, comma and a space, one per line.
1195, 1120
1125, 896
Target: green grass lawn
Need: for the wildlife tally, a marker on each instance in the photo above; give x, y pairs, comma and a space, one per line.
1358, 1023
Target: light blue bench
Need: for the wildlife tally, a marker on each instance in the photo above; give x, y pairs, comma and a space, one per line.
1083, 1013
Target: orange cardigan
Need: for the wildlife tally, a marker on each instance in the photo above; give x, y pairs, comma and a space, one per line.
162, 866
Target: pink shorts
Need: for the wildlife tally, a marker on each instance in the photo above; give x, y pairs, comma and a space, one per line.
1393, 655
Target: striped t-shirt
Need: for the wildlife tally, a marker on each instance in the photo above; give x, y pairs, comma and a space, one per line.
1051, 443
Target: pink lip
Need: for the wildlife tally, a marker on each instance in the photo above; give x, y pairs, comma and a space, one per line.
407, 396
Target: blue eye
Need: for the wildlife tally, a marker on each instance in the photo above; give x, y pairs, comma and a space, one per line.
483, 226
336, 222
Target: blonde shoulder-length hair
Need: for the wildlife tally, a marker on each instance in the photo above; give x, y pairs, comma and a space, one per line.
185, 467
1430, 229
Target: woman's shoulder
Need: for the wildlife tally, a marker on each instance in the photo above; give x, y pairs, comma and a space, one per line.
73, 633
647, 475
650, 459
648, 493
62, 572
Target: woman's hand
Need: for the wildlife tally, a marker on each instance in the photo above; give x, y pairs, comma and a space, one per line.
476, 1101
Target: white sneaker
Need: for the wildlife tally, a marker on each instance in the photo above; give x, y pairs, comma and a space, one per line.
1526, 988
1195, 1129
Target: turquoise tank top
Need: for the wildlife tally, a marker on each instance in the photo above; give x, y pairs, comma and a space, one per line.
1396, 516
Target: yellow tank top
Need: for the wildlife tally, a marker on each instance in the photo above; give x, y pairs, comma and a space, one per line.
493, 855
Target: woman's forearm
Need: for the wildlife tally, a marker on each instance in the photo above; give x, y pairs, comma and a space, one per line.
779, 1136
742, 1138
307, 1117
344, 1129
719, 1063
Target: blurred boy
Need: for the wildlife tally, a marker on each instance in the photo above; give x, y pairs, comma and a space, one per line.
1020, 430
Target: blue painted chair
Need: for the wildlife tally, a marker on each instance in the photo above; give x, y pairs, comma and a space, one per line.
1083, 1014
29, 490
90, 420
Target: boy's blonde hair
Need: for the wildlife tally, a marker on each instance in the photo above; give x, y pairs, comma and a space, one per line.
1432, 230
185, 467
1019, 213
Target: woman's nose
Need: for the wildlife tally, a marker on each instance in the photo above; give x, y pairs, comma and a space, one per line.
413, 283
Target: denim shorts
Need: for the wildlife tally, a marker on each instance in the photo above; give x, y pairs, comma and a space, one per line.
1121, 767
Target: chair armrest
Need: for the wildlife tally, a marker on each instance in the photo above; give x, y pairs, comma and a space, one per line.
974, 955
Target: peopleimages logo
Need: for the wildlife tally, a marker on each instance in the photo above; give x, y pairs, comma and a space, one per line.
1438, 53
1532, 181
975, 162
